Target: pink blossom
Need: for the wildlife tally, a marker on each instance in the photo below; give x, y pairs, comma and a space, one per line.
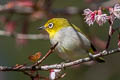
115, 11
101, 18
89, 16
87, 12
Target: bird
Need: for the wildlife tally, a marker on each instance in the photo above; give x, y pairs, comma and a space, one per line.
72, 44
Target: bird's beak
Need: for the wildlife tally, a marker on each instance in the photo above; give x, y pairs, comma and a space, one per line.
41, 28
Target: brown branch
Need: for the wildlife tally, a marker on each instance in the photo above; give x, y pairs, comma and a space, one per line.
110, 33
62, 65
87, 59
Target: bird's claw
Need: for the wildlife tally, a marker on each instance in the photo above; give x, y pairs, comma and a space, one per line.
91, 56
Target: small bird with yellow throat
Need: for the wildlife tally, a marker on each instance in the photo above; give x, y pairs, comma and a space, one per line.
73, 44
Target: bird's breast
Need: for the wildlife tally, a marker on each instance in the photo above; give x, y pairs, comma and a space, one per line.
70, 41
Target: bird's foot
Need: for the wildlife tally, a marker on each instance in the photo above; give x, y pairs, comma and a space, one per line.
91, 56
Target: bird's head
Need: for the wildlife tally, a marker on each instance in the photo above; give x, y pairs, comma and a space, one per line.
54, 25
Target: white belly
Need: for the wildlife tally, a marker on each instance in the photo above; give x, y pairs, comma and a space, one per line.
71, 44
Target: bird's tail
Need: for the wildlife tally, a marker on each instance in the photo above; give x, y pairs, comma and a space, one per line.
100, 59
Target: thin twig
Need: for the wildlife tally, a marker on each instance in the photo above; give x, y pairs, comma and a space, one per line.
109, 34
44, 57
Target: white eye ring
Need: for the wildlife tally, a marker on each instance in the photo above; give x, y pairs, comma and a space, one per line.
50, 25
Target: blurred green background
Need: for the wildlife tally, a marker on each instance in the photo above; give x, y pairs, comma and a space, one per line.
12, 54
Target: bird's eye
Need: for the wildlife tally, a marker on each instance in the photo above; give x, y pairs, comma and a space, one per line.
50, 25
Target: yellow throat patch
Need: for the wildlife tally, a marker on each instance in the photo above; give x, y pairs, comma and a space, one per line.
54, 25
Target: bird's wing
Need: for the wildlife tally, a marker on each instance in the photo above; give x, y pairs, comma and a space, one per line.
92, 49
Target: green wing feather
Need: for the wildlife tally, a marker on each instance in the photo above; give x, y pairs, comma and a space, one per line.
92, 50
